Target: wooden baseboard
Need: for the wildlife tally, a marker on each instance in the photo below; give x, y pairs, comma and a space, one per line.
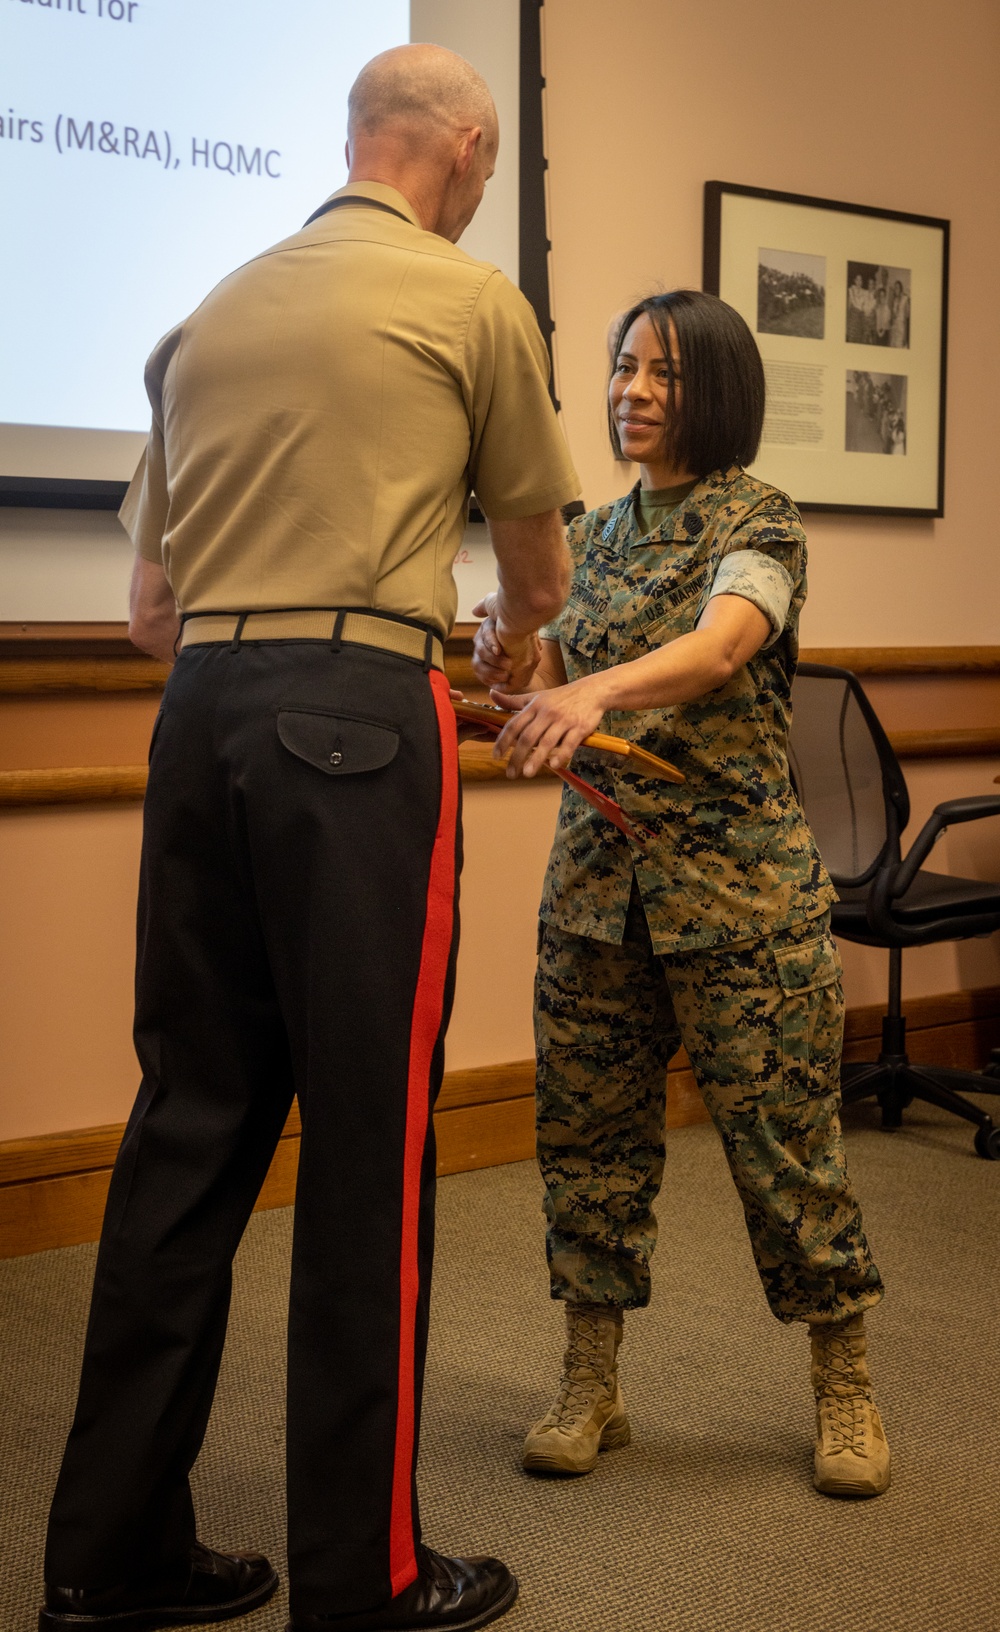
53, 1188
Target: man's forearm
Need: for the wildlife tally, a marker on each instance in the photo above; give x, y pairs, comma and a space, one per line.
153, 622
157, 636
533, 572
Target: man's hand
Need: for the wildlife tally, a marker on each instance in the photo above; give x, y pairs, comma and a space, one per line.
153, 623
550, 725
500, 658
533, 570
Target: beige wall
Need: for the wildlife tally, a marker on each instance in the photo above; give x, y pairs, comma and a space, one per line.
649, 99
68, 886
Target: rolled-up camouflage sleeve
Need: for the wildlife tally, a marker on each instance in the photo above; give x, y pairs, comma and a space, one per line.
765, 562
758, 578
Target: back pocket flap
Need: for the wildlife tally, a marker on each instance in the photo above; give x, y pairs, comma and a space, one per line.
337, 743
806, 968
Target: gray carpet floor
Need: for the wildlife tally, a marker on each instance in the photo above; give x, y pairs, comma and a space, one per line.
708, 1522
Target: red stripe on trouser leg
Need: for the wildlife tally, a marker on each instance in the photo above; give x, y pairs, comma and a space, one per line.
428, 1007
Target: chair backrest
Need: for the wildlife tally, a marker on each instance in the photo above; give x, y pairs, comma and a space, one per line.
845, 773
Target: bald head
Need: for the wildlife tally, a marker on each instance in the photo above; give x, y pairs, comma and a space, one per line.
421, 120
423, 90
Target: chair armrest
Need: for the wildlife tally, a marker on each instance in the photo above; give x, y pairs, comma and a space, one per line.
944, 815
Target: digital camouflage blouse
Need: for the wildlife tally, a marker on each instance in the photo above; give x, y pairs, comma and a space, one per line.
733, 857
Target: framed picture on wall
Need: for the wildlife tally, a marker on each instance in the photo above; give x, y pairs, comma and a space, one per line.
849, 307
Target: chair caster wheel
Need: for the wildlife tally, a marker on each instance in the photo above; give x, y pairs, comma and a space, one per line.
988, 1142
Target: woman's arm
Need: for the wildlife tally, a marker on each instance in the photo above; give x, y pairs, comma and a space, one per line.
551, 671
554, 718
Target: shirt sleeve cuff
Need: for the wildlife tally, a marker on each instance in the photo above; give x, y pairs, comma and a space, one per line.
760, 579
531, 504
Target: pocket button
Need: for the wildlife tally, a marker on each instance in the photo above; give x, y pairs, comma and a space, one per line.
336, 759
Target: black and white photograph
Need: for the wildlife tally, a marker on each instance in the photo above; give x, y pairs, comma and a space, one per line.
878, 305
876, 412
791, 293
825, 404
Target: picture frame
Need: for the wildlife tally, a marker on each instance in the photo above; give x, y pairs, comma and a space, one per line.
849, 308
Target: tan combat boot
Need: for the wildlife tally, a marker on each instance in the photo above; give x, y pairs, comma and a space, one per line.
852, 1454
588, 1414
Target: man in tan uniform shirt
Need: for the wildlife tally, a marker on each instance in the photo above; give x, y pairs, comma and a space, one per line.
317, 425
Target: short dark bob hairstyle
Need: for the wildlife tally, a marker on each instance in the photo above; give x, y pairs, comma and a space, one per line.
722, 404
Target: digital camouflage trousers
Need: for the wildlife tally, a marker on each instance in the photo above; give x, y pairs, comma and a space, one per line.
762, 1022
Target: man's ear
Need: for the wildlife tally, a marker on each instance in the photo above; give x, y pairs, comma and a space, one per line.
468, 148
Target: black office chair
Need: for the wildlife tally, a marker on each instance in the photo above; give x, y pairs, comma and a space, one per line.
854, 795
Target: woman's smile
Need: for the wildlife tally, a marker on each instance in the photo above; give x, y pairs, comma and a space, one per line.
644, 395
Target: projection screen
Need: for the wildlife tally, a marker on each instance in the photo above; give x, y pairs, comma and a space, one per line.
149, 146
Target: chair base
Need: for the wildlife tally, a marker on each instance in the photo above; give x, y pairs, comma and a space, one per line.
895, 1083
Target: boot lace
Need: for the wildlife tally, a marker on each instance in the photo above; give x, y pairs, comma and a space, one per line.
583, 1377
845, 1406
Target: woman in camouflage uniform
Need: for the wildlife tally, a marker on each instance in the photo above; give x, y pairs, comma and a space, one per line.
680, 633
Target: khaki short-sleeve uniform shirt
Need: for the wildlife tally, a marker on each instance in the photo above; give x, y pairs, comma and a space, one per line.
319, 421
731, 855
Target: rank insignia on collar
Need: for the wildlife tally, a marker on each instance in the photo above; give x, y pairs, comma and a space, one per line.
611, 525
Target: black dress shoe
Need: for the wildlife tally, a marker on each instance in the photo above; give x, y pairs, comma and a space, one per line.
215, 1587
453, 1594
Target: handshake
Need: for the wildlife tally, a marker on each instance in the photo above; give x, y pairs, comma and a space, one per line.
541, 719
502, 661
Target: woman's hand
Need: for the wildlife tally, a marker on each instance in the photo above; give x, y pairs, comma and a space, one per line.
550, 725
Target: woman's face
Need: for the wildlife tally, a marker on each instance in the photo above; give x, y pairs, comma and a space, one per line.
640, 392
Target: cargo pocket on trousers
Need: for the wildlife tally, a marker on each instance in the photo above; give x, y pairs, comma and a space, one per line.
811, 1019
337, 744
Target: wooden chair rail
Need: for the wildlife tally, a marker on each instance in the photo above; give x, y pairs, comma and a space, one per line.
961, 742
126, 784
73, 785
907, 659
48, 676
39, 658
